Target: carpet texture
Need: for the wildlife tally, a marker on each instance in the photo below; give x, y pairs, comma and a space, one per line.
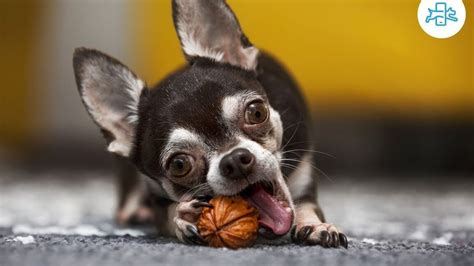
47, 219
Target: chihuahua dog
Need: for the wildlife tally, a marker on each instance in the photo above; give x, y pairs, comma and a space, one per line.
231, 122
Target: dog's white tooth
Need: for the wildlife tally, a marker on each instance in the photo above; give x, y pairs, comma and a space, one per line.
288, 209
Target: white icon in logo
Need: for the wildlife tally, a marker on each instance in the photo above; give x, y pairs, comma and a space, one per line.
441, 18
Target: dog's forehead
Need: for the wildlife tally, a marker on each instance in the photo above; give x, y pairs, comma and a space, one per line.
203, 101
193, 99
209, 126
199, 110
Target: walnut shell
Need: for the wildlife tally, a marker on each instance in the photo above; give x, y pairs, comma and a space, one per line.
232, 223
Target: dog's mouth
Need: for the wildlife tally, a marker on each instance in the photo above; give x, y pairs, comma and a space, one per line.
275, 213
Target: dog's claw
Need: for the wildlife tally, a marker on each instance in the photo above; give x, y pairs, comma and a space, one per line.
335, 239
293, 235
305, 232
200, 204
193, 229
191, 240
302, 235
325, 238
195, 237
204, 198
343, 240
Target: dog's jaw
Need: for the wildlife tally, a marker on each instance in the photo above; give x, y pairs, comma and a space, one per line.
266, 171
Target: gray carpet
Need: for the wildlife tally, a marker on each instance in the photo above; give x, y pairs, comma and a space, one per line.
46, 220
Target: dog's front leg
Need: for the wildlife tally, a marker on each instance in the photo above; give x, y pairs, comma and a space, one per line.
181, 219
310, 226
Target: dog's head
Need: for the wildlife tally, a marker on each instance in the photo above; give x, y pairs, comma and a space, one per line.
208, 128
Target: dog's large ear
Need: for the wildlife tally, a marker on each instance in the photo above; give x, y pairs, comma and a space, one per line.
111, 93
209, 28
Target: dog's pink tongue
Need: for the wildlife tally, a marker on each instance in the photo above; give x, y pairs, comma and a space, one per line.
272, 214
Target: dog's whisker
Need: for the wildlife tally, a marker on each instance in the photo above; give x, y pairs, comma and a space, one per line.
191, 192
310, 142
308, 150
293, 134
312, 165
288, 165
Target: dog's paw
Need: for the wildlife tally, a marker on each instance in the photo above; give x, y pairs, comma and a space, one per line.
187, 214
322, 234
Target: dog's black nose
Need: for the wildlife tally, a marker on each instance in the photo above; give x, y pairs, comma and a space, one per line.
237, 164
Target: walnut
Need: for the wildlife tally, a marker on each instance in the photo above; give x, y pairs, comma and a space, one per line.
232, 223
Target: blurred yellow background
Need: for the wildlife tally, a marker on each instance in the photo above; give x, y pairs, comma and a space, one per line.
17, 39
348, 55
356, 57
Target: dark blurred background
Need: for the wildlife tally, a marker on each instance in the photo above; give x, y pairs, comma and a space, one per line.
387, 99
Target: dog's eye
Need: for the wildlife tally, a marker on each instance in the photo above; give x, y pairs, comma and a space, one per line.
180, 165
256, 113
